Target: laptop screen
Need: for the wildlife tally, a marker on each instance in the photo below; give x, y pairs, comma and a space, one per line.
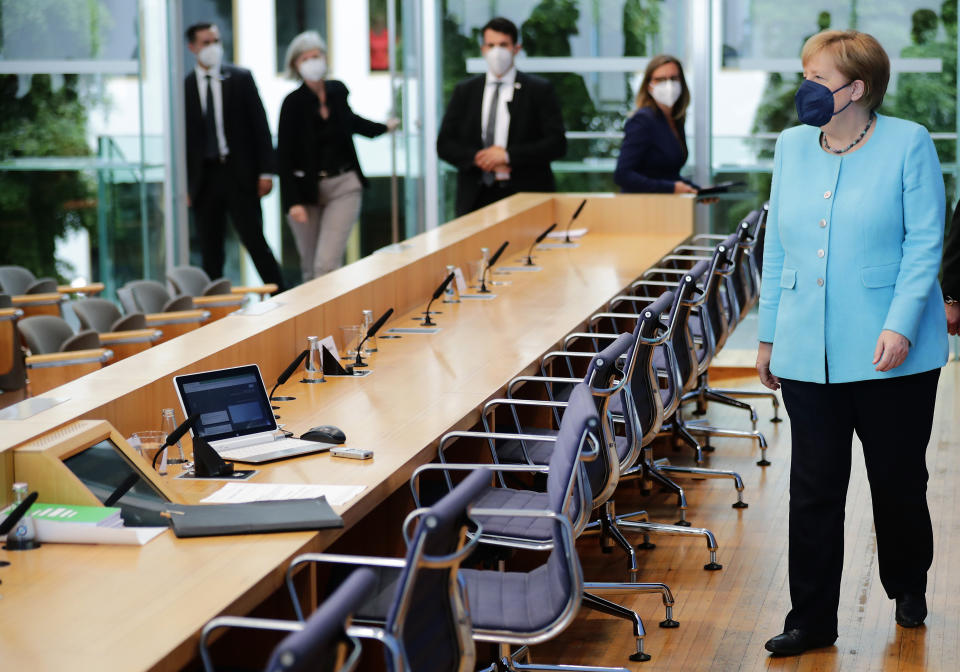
231, 402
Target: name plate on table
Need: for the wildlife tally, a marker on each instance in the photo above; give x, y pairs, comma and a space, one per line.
481, 297
413, 330
521, 269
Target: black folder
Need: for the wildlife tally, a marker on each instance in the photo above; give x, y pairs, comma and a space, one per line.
718, 188
292, 515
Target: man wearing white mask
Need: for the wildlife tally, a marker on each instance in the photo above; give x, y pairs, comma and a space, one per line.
230, 157
501, 130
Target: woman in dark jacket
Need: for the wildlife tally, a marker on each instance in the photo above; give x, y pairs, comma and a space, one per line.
654, 145
321, 183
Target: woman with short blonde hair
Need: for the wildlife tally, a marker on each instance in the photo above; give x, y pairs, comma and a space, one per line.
852, 327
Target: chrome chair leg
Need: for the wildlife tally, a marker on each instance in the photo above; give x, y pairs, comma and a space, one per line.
598, 603
733, 392
664, 528
709, 430
713, 395
711, 473
615, 588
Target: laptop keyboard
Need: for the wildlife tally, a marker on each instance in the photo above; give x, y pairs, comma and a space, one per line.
283, 445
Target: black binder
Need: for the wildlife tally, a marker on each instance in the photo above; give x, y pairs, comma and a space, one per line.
210, 520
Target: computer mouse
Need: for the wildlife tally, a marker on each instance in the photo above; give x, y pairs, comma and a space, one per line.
325, 434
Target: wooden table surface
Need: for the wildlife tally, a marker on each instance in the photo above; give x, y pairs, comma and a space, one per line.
113, 608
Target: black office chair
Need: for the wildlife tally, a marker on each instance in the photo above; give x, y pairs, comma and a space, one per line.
321, 642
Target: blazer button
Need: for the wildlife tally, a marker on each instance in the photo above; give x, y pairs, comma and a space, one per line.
827, 194
823, 223
819, 282
820, 253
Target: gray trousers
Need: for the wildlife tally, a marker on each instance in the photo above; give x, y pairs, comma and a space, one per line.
322, 240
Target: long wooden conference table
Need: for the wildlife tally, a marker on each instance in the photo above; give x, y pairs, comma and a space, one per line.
85, 607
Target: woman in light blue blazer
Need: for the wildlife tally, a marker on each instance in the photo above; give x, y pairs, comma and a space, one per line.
852, 327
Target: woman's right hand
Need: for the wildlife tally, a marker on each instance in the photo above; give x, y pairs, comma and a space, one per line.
298, 213
763, 366
680, 187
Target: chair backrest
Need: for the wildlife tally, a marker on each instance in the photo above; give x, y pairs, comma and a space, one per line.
606, 380
717, 314
96, 314
194, 281
125, 296
17, 280
568, 485
429, 614
323, 639
647, 400
149, 296
682, 340
44, 334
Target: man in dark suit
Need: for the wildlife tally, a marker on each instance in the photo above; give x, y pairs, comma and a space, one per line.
502, 129
951, 274
230, 156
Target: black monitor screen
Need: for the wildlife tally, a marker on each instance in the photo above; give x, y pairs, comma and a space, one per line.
103, 468
231, 402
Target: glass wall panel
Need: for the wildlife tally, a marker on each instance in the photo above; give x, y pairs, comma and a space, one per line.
591, 51
72, 189
759, 71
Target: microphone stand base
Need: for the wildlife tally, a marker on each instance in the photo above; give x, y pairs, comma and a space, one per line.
282, 399
312, 381
15, 544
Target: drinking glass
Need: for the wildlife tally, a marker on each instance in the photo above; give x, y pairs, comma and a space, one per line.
349, 338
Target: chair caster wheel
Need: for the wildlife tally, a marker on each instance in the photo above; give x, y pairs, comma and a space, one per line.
763, 463
683, 523
606, 549
708, 448
669, 623
646, 546
640, 657
776, 419
740, 505
713, 566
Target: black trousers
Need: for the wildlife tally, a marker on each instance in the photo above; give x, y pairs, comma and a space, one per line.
491, 194
222, 194
893, 418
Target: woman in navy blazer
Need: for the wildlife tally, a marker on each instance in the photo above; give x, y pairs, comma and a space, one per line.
852, 327
654, 144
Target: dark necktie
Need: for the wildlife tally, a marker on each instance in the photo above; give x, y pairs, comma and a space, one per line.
491, 129
211, 146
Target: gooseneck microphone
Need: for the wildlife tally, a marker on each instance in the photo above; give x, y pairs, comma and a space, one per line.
539, 240
287, 372
374, 328
573, 219
11, 520
172, 439
438, 292
493, 260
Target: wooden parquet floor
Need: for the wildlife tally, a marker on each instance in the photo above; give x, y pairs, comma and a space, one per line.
725, 617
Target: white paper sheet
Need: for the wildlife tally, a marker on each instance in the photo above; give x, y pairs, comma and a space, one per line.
561, 235
233, 493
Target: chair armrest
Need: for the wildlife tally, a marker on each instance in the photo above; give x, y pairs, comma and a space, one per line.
709, 236
694, 248
545, 379
67, 358
130, 336
10, 314
89, 289
246, 622
269, 288
177, 317
218, 300
447, 468
335, 559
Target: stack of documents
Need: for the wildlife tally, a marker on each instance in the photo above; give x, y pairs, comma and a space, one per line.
71, 524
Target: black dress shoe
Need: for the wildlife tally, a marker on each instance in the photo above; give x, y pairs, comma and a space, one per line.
794, 642
911, 610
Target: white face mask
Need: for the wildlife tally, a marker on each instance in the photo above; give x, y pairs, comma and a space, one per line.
211, 55
499, 60
313, 69
666, 93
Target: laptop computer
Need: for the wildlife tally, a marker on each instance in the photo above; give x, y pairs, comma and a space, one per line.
235, 415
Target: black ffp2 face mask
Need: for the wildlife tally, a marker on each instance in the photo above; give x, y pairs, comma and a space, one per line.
814, 103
